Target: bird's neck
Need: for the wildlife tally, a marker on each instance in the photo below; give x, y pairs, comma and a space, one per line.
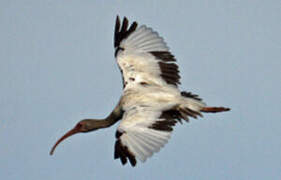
102, 123
111, 119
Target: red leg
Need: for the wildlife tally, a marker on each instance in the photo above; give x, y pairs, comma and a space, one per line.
214, 109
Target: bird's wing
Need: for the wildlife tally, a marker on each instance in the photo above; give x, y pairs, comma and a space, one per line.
142, 132
143, 57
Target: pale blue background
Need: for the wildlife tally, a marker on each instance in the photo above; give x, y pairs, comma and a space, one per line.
57, 67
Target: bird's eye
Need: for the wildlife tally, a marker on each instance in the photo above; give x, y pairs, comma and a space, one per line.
79, 125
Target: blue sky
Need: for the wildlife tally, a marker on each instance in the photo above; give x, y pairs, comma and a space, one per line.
57, 67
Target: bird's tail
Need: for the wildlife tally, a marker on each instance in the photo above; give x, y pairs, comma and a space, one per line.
193, 106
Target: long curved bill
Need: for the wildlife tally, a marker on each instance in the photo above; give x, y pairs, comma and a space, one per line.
69, 133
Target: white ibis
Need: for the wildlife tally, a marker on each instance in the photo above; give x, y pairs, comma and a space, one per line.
151, 103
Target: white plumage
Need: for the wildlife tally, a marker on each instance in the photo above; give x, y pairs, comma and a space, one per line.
136, 62
143, 107
151, 103
147, 94
144, 39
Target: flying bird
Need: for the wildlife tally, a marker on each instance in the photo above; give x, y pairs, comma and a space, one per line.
151, 103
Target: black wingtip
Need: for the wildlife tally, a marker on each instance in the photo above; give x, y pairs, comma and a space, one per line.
122, 30
122, 152
116, 30
117, 21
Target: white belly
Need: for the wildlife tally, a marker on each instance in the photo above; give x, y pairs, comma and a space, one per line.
156, 97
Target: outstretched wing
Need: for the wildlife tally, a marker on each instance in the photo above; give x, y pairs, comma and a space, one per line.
143, 57
142, 132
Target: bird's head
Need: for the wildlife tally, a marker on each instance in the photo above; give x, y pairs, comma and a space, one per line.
85, 125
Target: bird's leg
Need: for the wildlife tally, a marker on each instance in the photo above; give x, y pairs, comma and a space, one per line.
214, 109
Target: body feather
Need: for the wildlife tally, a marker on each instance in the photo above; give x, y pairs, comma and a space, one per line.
151, 101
